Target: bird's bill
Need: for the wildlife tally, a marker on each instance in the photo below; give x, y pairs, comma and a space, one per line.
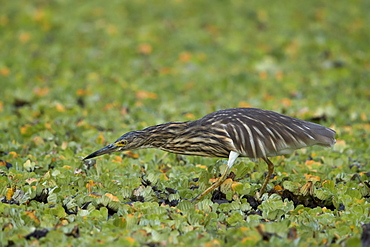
105, 150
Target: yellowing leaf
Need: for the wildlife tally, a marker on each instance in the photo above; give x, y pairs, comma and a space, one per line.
38, 140
308, 188
130, 239
312, 178
226, 185
64, 145
31, 180
100, 139
236, 185
60, 107
24, 37
9, 194
312, 162
112, 197
32, 215
25, 129
13, 154
202, 166
363, 116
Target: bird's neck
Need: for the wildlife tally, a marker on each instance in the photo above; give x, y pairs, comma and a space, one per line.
159, 136
187, 138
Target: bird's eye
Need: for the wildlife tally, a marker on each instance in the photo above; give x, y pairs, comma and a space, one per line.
121, 143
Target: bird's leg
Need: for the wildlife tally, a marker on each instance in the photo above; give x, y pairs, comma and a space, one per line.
232, 157
267, 179
213, 186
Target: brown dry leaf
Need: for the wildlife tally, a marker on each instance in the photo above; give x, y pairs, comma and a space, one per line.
124, 111
2, 163
112, 29
185, 56
145, 49
267, 97
213, 243
7, 226
190, 116
279, 75
165, 70
110, 106
141, 94
95, 195
163, 176
4, 71
82, 92
82, 123
263, 75
24, 37
41, 91
131, 154
117, 159
286, 102
244, 104
278, 188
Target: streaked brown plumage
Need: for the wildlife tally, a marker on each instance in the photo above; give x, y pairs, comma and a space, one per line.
246, 132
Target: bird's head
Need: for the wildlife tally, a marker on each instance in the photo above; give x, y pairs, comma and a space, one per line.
129, 141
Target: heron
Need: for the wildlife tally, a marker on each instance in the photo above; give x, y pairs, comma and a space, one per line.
230, 133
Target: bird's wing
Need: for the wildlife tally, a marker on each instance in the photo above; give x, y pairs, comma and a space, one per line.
259, 133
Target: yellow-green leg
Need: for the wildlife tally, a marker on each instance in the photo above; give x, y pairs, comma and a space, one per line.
232, 157
213, 186
267, 179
